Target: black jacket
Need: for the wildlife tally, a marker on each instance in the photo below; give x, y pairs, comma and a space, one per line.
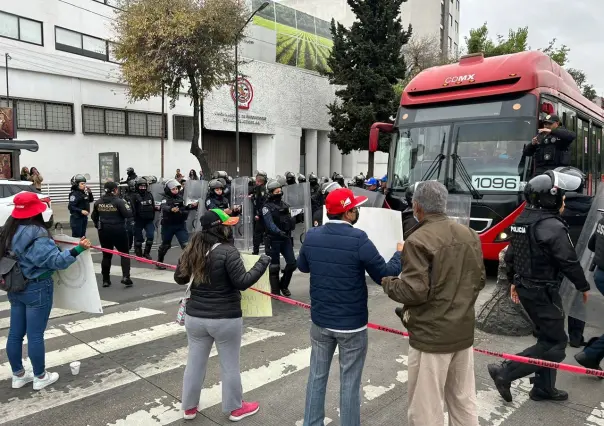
221, 297
78, 201
110, 213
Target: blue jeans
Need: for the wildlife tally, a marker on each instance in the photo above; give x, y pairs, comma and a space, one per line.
144, 225
29, 312
353, 351
595, 351
170, 231
78, 224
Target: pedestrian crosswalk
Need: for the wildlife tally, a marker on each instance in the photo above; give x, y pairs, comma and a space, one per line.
133, 357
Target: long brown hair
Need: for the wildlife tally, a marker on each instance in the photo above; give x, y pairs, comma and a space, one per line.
195, 260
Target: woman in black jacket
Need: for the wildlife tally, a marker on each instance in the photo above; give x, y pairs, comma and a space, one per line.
213, 311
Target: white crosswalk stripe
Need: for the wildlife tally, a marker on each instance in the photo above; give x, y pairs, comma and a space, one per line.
596, 417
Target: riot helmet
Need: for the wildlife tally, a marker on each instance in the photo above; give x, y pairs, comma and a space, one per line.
359, 180
170, 185
222, 181
313, 179
337, 177
281, 180
324, 179
272, 186
229, 179
261, 173
574, 172
220, 174
129, 171
290, 178
327, 187
547, 191
150, 179
141, 185
301, 178
215, 184
77, 179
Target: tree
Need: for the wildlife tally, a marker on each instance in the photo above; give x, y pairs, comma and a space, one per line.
366, 61
558, 54
479, 41
587, 89
179, 45
590, 92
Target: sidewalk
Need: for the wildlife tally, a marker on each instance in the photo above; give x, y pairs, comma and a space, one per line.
61, 215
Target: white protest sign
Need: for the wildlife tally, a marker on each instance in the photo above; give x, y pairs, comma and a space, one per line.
384, 227
76, 287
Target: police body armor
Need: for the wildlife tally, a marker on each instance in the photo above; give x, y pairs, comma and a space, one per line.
110, 217
531, 263
220, 201
282, 217
145, 206
549, 155
599, 254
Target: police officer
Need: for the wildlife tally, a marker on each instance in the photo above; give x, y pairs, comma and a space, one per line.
109, 216
359, 181
409, 220
216, 198
326, 188
540, 250
551, 147
130, 175
313, 180
79, 206
290, 178
279, 226
301, 178
143, 210
337, 177
173, 220
258, 200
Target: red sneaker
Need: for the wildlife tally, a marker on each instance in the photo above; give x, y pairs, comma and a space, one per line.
190, 413
247, 409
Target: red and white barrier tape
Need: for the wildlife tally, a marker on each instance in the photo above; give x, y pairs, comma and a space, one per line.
516, 358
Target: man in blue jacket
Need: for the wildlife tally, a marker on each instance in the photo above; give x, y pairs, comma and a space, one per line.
337, 256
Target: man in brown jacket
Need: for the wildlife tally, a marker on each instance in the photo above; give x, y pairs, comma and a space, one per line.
442, 274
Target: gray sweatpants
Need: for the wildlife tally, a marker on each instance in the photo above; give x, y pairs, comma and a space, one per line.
202, 333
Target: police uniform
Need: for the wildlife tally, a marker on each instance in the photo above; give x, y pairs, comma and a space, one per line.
258, 200
143, 208
110, 215
553, 149
313, 180
215, 201
279, 226
79, 201
540, 251
173, 224
290, 178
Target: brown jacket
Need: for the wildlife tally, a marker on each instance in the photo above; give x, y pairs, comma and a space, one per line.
37, 180
443, 272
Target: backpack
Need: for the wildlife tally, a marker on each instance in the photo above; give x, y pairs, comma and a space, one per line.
12, 279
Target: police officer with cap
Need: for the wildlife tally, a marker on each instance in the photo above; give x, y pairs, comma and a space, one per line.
326, 188
79, 206
109, 216
258, 200
540, 250
551, 147
290, 178
143, 209
279, 225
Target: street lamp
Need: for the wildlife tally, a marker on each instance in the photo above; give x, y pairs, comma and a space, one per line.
262, 7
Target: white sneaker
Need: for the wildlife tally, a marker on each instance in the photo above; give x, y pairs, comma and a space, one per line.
20, 381
48, 379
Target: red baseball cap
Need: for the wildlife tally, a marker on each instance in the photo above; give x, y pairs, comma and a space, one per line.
27, 205
341, 200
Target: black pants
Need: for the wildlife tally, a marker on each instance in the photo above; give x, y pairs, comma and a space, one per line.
78, 225
130, 233
575, 331
114, 239
259, 231
278, 247
544, 307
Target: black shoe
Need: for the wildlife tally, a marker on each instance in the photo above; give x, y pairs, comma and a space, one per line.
147, 256
127, 281
538, 394
503, 386
106, 283
587, 362
286, 292
160, 268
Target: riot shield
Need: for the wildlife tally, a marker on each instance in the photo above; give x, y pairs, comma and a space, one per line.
195, 192
572, 300
374, 198
244, 230
298, 198
157, 190
458, 208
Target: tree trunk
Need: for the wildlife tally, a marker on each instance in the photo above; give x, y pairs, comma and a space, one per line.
370, 160
199, 153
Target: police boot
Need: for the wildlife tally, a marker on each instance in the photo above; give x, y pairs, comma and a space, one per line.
106, 281
138, 249
286, 279
273, 277
544, 386
161, 253
497, 373
127, 281
148, 246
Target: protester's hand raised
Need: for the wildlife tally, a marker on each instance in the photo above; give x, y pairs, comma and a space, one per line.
400, 246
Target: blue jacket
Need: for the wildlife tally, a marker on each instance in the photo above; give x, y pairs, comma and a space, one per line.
337, 256
43, 256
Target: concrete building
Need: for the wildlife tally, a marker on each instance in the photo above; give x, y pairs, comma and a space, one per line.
64, 85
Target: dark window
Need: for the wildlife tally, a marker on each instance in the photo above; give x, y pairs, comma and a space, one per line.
22, 29
41, 115
112, 3
121, 122
183, 128
84, 45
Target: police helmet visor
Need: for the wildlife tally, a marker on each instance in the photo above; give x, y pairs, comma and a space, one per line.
564, 181
331, 187
172, 183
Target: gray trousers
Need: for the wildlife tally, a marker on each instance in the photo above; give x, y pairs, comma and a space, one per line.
202, 333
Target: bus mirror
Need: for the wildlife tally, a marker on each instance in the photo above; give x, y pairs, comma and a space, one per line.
374, 134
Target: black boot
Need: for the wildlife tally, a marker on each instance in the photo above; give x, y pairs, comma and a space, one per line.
497, 371
148, 246
273, 277
161, 253
138, 249
106, 282
544, 387
288, 271
127, 281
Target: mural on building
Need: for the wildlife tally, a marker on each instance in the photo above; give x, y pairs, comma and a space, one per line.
302, 40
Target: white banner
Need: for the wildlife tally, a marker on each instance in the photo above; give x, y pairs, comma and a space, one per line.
76, 287
384, 227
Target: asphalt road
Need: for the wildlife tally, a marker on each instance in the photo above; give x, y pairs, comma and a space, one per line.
133, 359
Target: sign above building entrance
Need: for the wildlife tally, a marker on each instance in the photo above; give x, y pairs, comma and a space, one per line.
245, 92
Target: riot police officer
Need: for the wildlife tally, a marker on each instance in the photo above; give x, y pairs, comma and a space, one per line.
540, 250
143, 210
313, 180
551, 147
359, 180
216, 198
409, 220
301, 178
290, 178
130, 175
279, 227
109, 216
337, 177
258, 200
174, 219
79, 206
326, 188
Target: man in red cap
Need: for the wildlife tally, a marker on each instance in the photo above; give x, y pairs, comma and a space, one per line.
337, 255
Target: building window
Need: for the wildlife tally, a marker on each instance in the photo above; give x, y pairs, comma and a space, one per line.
182, 128
450, 44
41, 115
85, 45
457, 5
450, 20
455, 48
121, 122
22, 29
456, 27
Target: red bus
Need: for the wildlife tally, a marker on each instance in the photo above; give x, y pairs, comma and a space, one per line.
466, 125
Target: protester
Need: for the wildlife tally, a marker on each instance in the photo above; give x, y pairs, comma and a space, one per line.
36, 178
213, 311
38, 257
443, 272
24, 173
337, 255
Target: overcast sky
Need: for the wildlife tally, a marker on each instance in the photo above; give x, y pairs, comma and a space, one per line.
576, 23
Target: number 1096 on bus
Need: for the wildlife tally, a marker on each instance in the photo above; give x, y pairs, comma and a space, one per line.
496, 183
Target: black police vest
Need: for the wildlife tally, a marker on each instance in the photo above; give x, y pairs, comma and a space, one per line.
282, 217
110, 215
145, 206
531, 263
171, 218
259, 198
221, 202
599, 256
548, 155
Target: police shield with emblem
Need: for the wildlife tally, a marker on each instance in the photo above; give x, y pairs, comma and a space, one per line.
459, 207
298, 198
374, 198
244, 230
195, 192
